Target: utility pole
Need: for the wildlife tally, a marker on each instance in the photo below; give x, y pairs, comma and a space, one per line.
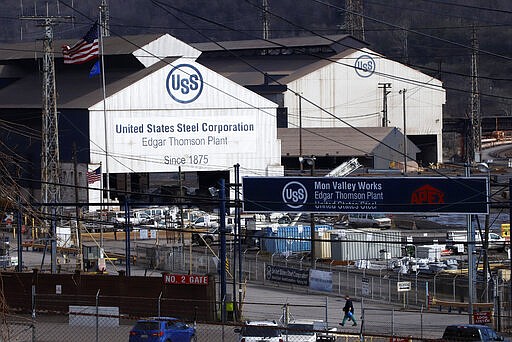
311, 161
385, 93
105, 16
470, 236
222, 252
50, 159
80, 261
238, 225
266, 20
403, 91
354, 21
476, 122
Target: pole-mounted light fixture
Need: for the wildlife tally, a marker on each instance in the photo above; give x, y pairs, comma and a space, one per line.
308, 160
311, 162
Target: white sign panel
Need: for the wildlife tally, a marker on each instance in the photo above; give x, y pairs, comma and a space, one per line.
365, 287
403, 286
320, 280
168, 142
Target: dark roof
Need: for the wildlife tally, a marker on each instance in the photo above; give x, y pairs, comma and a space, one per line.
336, 43
75, 89
112, 46
283, 60
340, 141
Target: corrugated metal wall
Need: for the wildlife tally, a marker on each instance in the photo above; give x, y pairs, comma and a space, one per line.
347, 245
290, 239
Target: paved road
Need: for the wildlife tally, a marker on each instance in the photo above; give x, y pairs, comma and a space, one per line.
271, 302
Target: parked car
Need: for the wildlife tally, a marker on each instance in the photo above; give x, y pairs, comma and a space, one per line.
470, 332
162, 329
260, 331
366, 220
206, 221
306, 330
211, 236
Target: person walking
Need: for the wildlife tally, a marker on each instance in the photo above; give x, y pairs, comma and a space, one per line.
348, 309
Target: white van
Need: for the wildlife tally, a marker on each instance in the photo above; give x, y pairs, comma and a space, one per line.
457, 241
136, 218
157, 213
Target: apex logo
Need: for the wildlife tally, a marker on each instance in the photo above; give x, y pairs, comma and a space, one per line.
427, 194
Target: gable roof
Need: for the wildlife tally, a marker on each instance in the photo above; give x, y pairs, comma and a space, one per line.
112, 46
256, 62
330, 43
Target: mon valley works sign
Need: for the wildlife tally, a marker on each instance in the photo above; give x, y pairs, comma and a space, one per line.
461, 195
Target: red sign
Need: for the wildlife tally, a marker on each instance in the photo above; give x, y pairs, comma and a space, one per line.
482, 317
427, 194
185, 279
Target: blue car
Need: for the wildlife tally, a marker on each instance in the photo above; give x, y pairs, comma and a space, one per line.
162, 329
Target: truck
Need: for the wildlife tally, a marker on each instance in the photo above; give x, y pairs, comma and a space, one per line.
212, 235
136, 218
457, 241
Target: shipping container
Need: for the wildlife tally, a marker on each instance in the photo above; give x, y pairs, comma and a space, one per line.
290, 239
349, 245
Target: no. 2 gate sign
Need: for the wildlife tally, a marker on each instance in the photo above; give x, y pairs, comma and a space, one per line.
185, 279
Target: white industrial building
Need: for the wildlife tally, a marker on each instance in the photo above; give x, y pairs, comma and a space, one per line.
342, 93
172, 107
337, 81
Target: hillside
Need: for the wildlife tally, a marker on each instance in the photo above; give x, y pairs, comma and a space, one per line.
432, 36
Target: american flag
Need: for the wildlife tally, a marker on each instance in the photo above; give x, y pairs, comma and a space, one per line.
84, 50
94, 176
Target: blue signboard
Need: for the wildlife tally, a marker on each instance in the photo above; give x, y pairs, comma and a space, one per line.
361, 195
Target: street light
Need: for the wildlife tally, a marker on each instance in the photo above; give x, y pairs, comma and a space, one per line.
484, 168
470, 237
311, 162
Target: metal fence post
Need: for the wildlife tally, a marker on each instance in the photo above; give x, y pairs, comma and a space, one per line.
389, 290
380, 284
256, 266
393, 323
421, 322
355, 284
416, 288
264, 271
247, 269
97, 316
33, 301
339, 282
326, 312
159, 300
347, 278
372, 287
361, 336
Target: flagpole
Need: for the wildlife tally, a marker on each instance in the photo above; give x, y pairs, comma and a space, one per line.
102, 67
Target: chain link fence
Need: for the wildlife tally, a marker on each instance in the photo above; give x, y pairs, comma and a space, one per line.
61, 328
99, 322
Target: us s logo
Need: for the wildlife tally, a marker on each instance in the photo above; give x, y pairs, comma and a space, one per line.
184, 83
294, 195
365, 66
